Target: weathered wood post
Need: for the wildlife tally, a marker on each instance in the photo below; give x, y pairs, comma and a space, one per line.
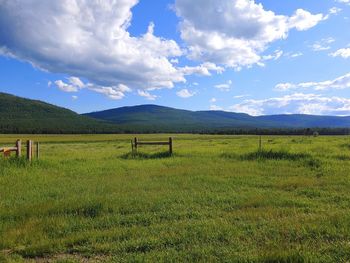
37, 150
29, 150
170, 145
19, 148
135, 144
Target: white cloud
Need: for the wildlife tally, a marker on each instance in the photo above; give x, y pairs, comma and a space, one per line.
74, 97
284, 86
342, 82
113, 92
276, 55
335, 10
343, 52
343, 1
75, 84
66, 87
323, 44
202, 70
241, 96
146, 95
88, 39
234, 33
185, 93
213, 100
296, 103
295, 55
224, 87
303, 20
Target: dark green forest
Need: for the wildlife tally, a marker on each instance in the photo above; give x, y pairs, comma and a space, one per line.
25, 116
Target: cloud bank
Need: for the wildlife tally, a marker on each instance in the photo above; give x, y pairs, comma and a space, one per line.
88, 39
233, 33
295, 103
342, 82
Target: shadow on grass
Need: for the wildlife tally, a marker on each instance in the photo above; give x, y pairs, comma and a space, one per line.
264, 155
274, 155
14, 162
22, 162
141, 155
345, 145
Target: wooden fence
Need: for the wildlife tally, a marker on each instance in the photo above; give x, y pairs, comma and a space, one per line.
136, 143
18, 150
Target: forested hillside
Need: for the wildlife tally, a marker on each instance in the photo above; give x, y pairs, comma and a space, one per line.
19, 115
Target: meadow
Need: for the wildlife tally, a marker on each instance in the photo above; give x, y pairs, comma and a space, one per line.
216, 199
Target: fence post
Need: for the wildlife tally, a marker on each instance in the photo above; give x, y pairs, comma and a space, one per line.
37, 150
29, 150
170, 145
19, 148
135, 142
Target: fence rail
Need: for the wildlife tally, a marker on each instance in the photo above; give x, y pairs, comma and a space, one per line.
135, 143
18, 150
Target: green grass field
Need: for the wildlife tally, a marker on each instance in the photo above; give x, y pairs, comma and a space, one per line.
216, 199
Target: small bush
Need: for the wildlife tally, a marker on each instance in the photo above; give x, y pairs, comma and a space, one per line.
274, 155
345, 145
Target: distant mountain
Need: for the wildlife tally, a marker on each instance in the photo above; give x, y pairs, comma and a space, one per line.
19, 115
157, 118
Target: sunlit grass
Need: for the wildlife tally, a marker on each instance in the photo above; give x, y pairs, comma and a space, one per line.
217, 198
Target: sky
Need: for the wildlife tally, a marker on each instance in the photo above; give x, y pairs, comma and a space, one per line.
259, 57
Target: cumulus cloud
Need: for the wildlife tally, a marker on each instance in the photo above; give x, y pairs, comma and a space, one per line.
225, 86
66, 87
88, 39
233, 33
185, 93
303, 20
202, 70
342, 82
146, 94
74, 84
296, 103
343, 52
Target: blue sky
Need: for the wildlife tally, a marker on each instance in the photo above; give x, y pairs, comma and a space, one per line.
258, 57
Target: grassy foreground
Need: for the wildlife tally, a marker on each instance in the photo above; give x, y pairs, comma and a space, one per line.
215, 199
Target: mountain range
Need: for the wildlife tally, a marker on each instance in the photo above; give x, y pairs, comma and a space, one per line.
20, 115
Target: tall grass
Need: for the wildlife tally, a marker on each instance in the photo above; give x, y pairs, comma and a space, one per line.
216, 199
